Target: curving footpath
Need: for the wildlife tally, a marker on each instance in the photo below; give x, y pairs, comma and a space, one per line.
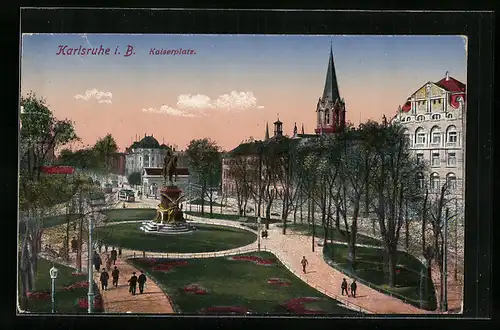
289, 249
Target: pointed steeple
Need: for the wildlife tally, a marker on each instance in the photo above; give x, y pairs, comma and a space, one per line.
295, 129
302, 128
267, 132
331, 90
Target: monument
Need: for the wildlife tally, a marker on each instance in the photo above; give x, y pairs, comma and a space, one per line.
169, 218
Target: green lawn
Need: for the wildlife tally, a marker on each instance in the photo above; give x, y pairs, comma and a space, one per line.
371, 268
319, 231
64, 299
231, 217
206, 239
51, 221
197, 201
116, 215
236, 283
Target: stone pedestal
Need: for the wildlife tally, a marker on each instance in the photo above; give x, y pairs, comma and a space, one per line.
171, 191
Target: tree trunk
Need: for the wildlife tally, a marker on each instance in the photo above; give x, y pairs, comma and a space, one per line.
337, 218
301, 208
211, 202
313, 225
203, 190
284, 213
354, 232
392, 254
268, 214
407, 230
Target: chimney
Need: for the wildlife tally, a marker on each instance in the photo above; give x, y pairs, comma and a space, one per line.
447, 76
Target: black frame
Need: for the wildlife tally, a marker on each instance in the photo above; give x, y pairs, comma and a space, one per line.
477, 26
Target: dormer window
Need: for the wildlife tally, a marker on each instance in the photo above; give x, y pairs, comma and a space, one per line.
449, 116
436, 116
420, 118
408, 118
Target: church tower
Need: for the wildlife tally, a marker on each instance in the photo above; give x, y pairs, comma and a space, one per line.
266, 137
330, 108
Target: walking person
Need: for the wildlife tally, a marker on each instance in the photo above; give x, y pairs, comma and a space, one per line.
104, 279
141, 280
113, 256
99, 245
97, 262
115, 274
354, 286
119, 251
304, 263
108, 263
343, 286
106, 248
74, 245
132, 284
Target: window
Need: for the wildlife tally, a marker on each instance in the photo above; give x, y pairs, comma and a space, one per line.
452, 159
408, 118
436, 116
451, 180
420, 158
435, 159
420, 118
449, 116
436, 138
420, 136
452, 135
402, 119
420, 180
435, 182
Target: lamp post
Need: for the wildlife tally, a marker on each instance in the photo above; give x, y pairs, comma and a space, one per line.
96, 200
53, 275
258, 233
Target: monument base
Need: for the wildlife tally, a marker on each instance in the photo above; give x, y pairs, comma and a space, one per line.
152, 227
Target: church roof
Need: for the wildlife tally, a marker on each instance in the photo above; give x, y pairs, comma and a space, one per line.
148, 142
331, 90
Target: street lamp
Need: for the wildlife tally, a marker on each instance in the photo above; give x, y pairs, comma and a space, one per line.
53, 275
258, 233
95, 201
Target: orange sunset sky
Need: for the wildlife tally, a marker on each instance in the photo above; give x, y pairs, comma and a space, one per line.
226, 87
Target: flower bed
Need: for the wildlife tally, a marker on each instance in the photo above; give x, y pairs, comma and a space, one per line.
78, 274
82, 302
278, 281
39, 295
195, 289
168, 265
257, 260
77, 285
296, 305
239, 310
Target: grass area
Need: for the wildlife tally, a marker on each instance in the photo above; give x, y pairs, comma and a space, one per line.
206, 239
51, 221
319, 231
236, 283
64, 299
370, 267
197, 201
231, 217
116, 215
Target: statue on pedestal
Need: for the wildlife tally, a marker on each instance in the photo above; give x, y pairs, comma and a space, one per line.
170, 167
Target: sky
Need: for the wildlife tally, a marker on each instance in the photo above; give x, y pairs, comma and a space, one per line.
225, 87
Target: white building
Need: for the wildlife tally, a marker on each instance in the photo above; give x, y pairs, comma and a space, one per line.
152, 180
144, 153
434, 117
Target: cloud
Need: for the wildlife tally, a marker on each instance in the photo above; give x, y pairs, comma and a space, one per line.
233, 100
189, 105
166, 110
94, 94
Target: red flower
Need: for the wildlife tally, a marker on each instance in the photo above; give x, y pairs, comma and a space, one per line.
195, 288
81, 284
296, 305
225, 309
39, 295
83, 302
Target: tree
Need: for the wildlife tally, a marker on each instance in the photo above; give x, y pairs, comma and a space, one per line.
104, 148
392, 182
205, 160
135, 178
239, 172
40, 134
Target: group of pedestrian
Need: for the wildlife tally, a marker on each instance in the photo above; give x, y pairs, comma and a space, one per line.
134, 280
110, 259
105, 277
344, 286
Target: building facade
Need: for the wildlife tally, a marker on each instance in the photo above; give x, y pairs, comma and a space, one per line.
330, 119
434, 118
144, 153
152, 180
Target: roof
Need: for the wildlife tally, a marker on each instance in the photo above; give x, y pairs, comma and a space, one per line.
451, 85
148, 142
331, 90
159, 171
277, 122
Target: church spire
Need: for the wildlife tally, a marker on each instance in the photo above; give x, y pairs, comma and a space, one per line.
267, 132
302, 128
331, 90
